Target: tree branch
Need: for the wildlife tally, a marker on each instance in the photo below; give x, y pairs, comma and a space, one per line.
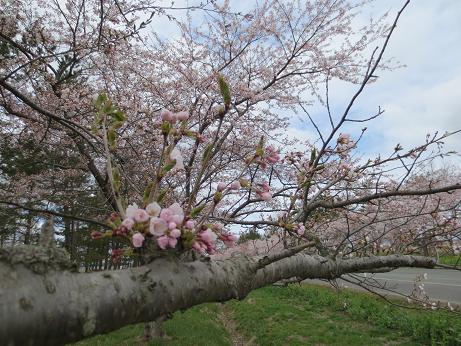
56, 306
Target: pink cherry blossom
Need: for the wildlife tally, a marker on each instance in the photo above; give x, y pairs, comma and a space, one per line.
153, 209
235, 185
141, 215
128, 223
190, 224
263, 192
272, 155
221, 187
266, 196
166, 115
177, 156
228, 239
137, 239
173, 213
344, 138
162, 242
208, 236
157, 226
199, 247
172, 242
131, 210
182, 116
175, 233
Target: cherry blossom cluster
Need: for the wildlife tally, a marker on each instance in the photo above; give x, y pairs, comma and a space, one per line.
266, 156
168, 227
263, 191
172, 118
344, 144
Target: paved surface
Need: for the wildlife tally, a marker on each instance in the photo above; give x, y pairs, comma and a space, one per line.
441, 284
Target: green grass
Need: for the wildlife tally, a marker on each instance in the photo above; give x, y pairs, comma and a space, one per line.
196, 326
450, 259
300, 315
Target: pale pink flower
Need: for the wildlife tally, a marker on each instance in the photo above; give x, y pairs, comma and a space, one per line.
131, 210
157, 226
172, 225
177, 214
141, 215
175, 233
128, 223
176, 155
153, 209
344, 138
137, 239
166, 214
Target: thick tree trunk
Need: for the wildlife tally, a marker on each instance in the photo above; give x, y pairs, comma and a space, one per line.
42, 301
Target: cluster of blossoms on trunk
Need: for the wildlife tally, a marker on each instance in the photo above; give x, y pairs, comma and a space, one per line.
168, 227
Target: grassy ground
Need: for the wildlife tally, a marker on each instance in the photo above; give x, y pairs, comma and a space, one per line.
450, 259
307, 315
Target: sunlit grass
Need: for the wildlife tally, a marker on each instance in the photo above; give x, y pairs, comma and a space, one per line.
301, 315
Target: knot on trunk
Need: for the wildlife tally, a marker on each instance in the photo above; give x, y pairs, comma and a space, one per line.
39, 259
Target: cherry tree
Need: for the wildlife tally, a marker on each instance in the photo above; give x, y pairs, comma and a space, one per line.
168, 147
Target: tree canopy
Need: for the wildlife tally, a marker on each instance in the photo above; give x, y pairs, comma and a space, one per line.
153, 153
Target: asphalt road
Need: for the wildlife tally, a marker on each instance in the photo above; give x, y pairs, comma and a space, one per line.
441, 284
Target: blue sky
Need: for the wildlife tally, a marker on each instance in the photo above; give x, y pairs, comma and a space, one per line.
424, 96
421, 98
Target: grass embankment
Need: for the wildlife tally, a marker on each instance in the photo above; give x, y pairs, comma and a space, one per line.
307, 315
450, 260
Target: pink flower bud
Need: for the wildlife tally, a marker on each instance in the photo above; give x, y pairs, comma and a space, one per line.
198, 247
137, 239
208, 236
96, 235
128, 223
116, 254
172, 242
266, 196
221, 187
190, 224
182, 116
175, 233
162, 242
235, 185
166, 115
172, 225
141, 215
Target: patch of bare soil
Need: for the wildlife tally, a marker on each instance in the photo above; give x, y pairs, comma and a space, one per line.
237, 339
